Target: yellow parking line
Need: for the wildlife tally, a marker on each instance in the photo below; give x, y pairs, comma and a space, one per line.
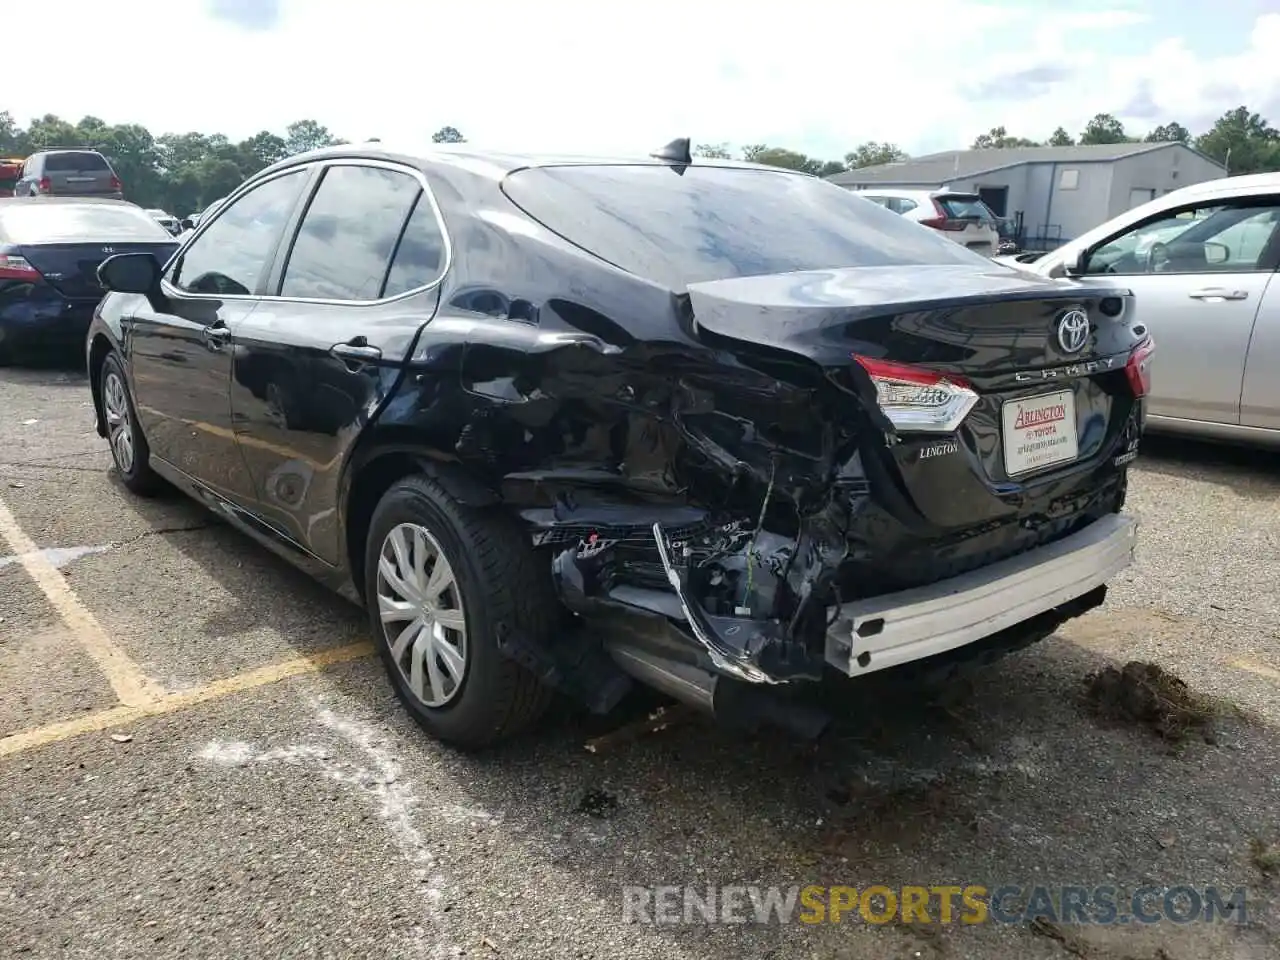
169, 703
1258, 669
131, 685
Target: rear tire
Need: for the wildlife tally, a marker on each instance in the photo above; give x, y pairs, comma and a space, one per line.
129, 448
437, 628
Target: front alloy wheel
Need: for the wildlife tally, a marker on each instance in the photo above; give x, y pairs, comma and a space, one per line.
423, 620
129, 447
115, 405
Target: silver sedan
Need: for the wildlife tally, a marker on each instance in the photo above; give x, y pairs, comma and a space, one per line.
1201, 262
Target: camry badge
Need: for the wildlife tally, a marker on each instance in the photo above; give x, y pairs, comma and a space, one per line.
1073, 331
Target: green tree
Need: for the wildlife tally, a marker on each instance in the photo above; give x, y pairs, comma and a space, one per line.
1061, 138
1243, 141
1169, 133
872, 154
50, 131
713, 151
13, 139
303, 135
217, 178
787, 159
448, 135
261, 150
752, 151
997, 138
1104, 128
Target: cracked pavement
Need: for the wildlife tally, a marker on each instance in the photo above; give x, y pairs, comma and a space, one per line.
302, 815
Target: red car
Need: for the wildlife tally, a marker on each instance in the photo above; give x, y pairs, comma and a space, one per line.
10, 174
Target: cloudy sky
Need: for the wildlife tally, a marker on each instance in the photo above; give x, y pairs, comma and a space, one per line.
624, 76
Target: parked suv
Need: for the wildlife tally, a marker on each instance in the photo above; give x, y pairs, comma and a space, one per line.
572, 425
961, 217
68, 173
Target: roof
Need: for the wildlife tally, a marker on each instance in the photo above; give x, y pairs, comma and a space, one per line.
937, 168
492, 162
67, 200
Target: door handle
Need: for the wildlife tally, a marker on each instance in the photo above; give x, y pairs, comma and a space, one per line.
1218, 293
215, 335
357, 349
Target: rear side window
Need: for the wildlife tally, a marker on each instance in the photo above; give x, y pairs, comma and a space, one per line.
344, 247
965, 208
714, 223
75, 162
52, 221
420, 256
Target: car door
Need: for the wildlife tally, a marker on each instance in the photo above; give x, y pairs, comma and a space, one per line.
1199, 274
1260, 397
315, 360
180, 348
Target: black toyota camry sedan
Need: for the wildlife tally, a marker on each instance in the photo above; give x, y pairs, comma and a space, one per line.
567, 425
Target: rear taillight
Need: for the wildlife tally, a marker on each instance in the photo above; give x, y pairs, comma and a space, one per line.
115, 183
16, 268
942, 221
1138, 369
919, 400
45, 185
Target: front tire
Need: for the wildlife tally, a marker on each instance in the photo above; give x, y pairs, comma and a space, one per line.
129, 447
443, 583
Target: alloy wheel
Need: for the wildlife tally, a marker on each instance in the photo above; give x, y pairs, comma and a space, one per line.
422, 616
115, 402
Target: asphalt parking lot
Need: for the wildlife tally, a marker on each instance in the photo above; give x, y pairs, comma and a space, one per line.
200, 758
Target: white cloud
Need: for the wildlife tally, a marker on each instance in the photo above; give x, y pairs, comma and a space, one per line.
587, 76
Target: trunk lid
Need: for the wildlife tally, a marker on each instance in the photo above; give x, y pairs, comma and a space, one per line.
1044, 405
72, 268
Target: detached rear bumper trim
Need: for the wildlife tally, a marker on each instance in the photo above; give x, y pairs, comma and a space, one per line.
897, 628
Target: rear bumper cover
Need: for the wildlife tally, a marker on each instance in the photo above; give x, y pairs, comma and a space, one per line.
897, 628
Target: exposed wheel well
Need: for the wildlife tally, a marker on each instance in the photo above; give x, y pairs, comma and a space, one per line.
97, 356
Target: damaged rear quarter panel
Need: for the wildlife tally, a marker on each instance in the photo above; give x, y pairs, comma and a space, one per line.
580, 396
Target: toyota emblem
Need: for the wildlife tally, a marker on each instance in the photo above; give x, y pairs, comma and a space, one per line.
1073, 331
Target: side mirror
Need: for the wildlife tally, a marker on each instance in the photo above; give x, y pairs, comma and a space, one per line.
1076, 264
1215, 253
130, 273
186, 223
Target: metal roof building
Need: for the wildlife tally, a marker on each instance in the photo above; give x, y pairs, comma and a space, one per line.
1053, 194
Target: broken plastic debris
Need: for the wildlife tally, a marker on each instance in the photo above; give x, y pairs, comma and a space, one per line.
27, 423
122, 737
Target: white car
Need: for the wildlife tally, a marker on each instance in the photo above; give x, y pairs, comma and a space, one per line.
166, 220
961, 217
1201, 262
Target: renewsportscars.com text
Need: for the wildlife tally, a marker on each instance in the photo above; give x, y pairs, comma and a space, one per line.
942, 904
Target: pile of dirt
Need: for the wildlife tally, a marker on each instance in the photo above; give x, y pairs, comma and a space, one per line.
1147, 694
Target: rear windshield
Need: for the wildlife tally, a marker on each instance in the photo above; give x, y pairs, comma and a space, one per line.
965, 208
75, 162
714, 223
45, 221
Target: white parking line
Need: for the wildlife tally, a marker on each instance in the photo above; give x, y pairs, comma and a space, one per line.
382, 784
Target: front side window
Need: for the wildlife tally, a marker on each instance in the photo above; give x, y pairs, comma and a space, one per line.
1234, 237
231, 256
344, 247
